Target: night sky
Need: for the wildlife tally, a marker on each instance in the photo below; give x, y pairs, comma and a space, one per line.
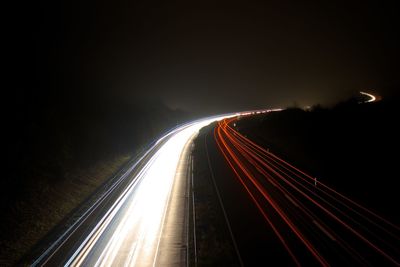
206, 57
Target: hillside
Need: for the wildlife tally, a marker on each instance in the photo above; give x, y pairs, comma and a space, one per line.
58, 154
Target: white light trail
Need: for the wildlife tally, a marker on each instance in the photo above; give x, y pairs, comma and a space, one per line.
129, 233
372, 97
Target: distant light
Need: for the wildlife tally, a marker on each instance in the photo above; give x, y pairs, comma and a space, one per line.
254, 112
372, 97
276, 109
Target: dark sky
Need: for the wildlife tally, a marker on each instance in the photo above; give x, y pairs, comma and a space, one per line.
211, 56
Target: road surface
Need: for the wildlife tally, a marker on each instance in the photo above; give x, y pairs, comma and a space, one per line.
141, 220
282, 216
276, 213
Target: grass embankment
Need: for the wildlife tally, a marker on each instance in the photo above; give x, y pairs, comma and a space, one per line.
48, 204
59, 153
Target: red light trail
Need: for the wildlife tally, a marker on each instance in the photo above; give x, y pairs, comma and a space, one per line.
301, 211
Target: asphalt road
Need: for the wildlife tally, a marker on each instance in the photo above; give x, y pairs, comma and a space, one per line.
275, 214
281, 216
142, 218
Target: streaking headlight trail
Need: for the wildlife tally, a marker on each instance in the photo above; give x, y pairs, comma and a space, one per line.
372, 98
128, 229
129, 234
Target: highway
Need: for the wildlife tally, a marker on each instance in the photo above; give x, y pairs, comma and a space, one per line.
141, 219
276, 213
299, 220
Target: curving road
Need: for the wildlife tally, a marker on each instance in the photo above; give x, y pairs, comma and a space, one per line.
276, 212
141, 219
304, 221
